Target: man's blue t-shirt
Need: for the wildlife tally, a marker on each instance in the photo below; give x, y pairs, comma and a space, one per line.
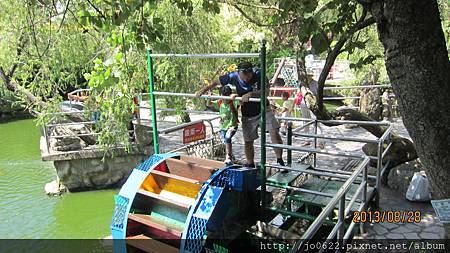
248, 109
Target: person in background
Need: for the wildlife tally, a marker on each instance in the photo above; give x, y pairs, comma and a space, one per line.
279, 82
286, 110
248, 83
308, 114
80, 97
312, 84
388, 100
228, 119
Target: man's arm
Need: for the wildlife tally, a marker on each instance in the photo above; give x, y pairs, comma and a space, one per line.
206, 88
255, 93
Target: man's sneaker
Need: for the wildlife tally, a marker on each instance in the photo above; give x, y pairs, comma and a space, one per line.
228, 161
281, 163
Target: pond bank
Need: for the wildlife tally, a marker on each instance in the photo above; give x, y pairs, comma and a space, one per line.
26, 211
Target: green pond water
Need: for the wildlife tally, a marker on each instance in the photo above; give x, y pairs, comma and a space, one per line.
26, 212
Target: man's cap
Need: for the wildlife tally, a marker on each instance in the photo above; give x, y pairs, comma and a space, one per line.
245, 67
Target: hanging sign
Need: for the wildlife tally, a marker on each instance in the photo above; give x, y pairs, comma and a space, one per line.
194, 132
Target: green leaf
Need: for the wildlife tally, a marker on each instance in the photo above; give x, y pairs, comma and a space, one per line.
319, 43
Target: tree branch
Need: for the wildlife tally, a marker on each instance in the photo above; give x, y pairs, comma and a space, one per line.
64, 15
96, 9
256, 22
17, 88
247, 16
331, 57
264, 7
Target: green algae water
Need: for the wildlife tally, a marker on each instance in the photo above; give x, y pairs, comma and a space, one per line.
26, 212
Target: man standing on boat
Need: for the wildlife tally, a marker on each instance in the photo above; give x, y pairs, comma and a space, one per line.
247, 80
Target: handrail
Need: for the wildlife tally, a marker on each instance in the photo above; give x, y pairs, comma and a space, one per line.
357, 87
217, 55
165, 93
312, 150
333, 202
181, 126
328, 137
340, 98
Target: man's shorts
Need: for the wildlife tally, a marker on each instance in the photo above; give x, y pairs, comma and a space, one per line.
250, 125
226, 135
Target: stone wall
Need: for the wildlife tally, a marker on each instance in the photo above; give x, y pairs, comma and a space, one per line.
9, 112
93, 173
82, 165
370, 103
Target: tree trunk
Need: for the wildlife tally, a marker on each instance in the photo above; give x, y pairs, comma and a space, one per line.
6, 78
419, 71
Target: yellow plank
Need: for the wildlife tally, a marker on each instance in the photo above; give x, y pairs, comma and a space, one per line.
150, 185
185, 188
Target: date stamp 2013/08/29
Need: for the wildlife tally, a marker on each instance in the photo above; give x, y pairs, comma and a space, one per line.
387, 216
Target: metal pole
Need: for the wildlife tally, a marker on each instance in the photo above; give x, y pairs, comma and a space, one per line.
315, 143
189, 95
379, 167
263, 125
289, 143
217, 55
46, 138
340, 232
364, 196
356, 87
152, 103
139, 109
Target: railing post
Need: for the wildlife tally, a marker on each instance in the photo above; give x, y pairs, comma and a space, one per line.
45, 132
340, 232
152, 103
315, 142
139, 109
364, 196
212, 138
289, 142
263, 125
379, 168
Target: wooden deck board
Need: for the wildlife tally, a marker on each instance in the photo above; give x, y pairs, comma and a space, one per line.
325, 186
195, 171
157, 227
202, 161
283, 178
150, 245
175, 199
177, 184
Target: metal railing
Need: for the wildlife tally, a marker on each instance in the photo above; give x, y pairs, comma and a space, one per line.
49, 127
351, 88
152, 92
382, 151
338, 231
358, 176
